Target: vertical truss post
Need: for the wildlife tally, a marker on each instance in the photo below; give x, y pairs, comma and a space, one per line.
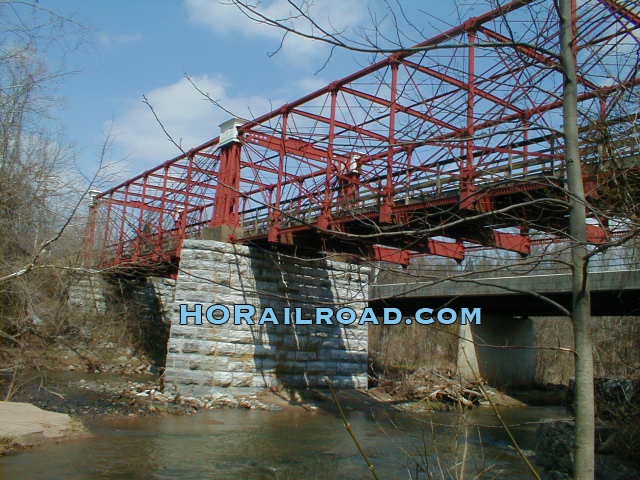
163, 206
603, 138
552, 150
467, 174
526, 123
387, 205
184, 217
273, 234
409, 174
107, 229
120, 247
140, 240
325, 215
226, 215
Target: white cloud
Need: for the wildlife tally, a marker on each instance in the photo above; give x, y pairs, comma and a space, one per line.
189, 117
114, 39
311, 83
334, 15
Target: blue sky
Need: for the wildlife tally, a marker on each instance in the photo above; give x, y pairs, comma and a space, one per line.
140, 48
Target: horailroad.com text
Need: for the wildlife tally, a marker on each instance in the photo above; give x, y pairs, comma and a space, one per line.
221, 314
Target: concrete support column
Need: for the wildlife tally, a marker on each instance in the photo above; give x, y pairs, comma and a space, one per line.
499, 360
467, 360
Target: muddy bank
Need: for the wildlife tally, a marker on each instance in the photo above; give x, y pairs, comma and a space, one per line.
88, 394
426, 389
83, 394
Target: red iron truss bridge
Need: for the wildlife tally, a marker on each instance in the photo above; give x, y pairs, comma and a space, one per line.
453, 144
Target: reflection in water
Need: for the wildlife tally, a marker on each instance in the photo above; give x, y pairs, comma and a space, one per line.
240, 444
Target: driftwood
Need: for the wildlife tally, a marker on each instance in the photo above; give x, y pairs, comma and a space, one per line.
434, 386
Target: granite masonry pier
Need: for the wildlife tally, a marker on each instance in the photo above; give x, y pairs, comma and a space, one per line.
202, 359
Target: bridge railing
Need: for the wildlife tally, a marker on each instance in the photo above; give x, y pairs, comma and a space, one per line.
503, 169
549, 256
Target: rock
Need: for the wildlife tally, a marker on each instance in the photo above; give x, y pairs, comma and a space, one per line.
554, 454
554, 448
26, 425
610, 395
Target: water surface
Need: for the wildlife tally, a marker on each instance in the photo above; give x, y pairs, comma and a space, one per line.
291, 444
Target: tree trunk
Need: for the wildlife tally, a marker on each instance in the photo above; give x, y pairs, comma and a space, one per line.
581, 311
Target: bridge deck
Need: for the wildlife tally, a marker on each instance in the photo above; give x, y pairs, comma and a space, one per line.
613, 293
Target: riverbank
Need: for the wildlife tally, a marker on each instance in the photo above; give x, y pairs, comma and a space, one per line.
116, 383
23, 425
88, 394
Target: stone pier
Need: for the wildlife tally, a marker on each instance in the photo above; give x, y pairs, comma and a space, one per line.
202, 359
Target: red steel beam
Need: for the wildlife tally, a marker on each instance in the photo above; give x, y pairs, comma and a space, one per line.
195, 183
596, 234
392, 255
408, 110
226, 211
616, 8
346, 126
437, 39
139, 205
401, 256
547, 107
537, 56
455, 250
513, 242
461, 85
467, 169
170, 190
228, 194
289, 146
444, 36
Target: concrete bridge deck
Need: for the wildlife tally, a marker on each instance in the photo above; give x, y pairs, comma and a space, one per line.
612, 293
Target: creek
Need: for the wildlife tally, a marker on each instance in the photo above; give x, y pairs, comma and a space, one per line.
288, 444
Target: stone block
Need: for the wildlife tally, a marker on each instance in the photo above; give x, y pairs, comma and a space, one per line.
221, 379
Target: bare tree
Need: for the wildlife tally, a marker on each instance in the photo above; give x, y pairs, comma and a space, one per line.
581, 311
40, 185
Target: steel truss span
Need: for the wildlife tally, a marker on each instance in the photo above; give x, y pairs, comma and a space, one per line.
453, 143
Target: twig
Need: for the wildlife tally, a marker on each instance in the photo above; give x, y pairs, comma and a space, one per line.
514, 442
347, 425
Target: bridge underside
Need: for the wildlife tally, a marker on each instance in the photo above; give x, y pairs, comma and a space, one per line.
452, 144
612, 293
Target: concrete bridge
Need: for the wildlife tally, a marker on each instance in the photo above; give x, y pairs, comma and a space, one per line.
504, 347
612, 293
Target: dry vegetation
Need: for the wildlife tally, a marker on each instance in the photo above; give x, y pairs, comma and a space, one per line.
39, 189
616, 352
